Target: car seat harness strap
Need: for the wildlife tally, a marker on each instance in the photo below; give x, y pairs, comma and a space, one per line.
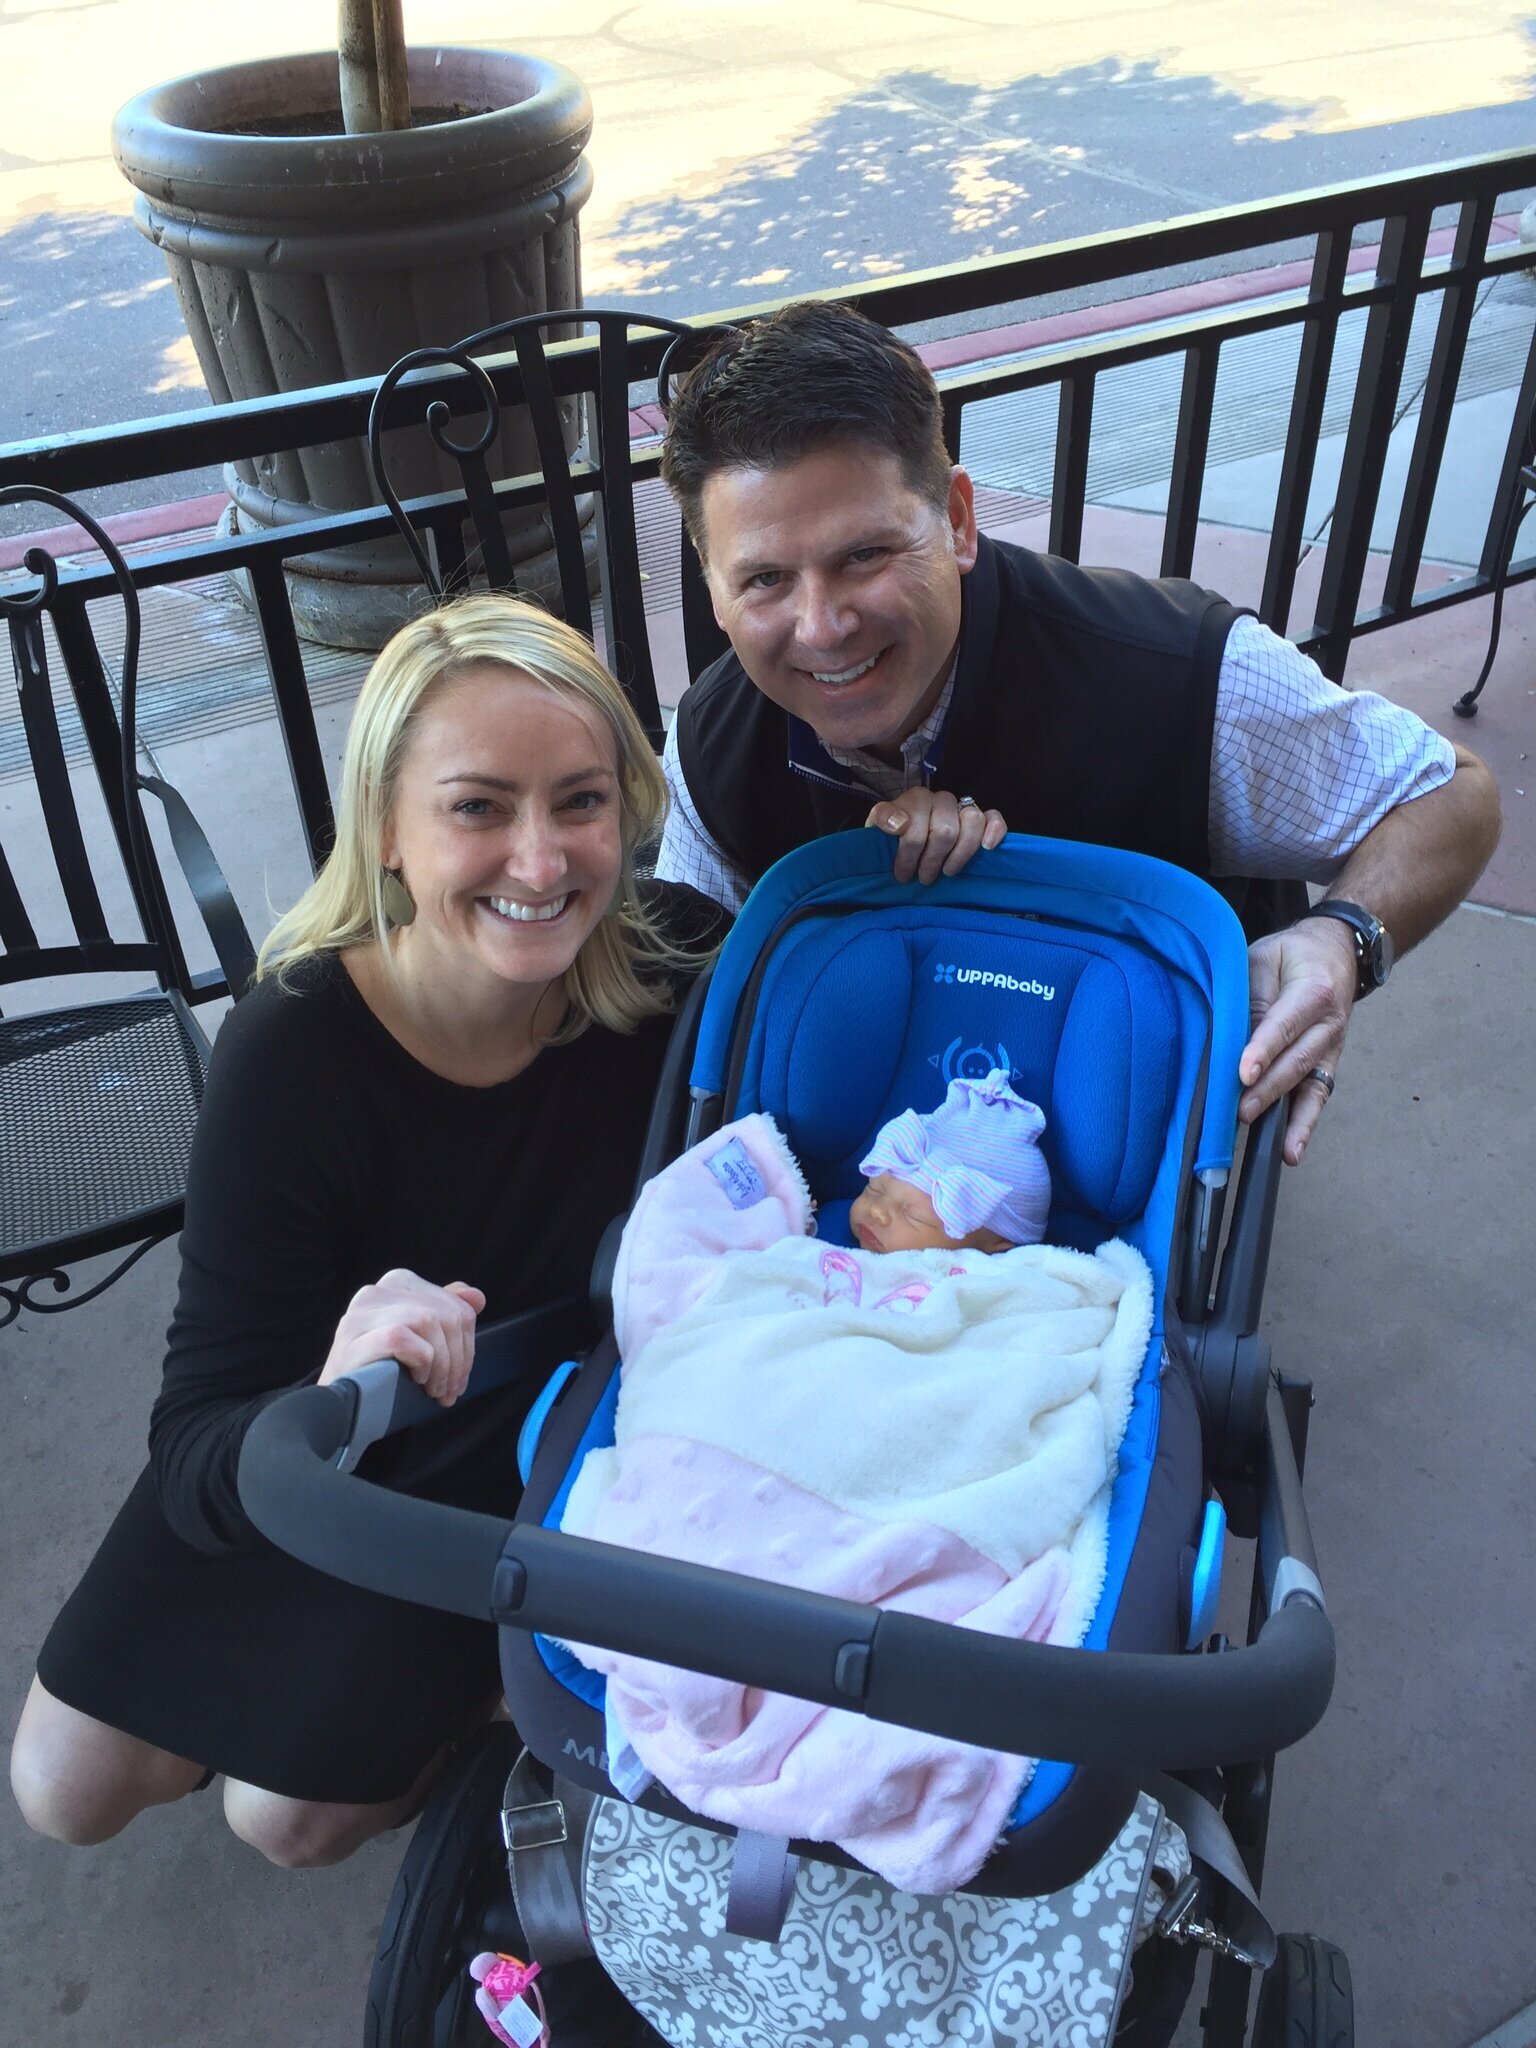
1251, 1939
762, 1885
544, 1827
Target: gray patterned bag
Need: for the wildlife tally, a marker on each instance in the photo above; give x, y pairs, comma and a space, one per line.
859, 1965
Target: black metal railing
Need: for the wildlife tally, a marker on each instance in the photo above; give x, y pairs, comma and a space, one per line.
1399, 216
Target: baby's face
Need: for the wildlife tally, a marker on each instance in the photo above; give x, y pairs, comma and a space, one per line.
893, 1216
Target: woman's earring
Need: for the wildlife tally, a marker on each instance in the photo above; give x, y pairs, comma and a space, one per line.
398, 906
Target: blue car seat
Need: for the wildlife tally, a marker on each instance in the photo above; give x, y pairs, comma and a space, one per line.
1113, 990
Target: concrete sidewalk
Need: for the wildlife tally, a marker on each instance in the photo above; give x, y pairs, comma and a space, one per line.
1402, 1281
772, 144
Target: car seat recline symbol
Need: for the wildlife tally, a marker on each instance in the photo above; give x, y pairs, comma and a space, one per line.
974, 1062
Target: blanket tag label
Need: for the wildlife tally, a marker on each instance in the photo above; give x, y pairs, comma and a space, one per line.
733, 1169
522, 2023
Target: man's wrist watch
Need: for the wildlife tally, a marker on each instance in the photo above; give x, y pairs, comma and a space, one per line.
1373, 942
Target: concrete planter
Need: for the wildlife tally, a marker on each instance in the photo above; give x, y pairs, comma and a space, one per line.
304, 257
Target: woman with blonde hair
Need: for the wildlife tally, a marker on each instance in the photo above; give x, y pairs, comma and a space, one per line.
425, 1111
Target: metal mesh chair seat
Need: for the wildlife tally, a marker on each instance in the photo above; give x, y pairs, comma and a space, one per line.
98, 1102
97, 1108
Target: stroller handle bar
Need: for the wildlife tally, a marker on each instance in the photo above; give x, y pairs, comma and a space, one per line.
1134, 1710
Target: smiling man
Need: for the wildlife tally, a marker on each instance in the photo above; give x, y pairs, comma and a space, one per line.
882, 649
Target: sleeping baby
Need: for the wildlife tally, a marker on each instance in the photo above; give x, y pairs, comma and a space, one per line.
969, 1176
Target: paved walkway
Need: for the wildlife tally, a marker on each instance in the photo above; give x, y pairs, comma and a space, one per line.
1402, 1280
740, 151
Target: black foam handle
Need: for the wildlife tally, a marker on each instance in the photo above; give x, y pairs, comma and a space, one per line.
1138, 1710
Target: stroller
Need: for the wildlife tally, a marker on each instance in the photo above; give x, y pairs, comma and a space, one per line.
1114, 991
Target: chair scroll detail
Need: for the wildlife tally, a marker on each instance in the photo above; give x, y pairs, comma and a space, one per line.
97, 1098
628, 347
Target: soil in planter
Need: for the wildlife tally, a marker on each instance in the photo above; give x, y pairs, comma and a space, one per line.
328, 122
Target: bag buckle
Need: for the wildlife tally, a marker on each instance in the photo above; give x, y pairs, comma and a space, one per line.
1179, 1922
538, 1826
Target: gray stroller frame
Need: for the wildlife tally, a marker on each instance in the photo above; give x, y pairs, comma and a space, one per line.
1215, 1719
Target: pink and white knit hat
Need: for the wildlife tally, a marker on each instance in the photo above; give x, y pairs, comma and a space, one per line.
976, 1157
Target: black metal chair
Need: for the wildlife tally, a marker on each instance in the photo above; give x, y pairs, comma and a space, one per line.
567, 447
97, 1100
1521, 496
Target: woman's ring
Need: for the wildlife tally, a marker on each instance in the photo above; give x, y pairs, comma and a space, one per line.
1322, 1074
969, 803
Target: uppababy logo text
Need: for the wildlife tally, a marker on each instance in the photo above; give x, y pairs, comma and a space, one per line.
983, 978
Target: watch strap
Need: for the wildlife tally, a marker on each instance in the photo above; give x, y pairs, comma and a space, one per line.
1368, 931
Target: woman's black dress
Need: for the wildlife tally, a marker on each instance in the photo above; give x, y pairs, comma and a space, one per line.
326, 1155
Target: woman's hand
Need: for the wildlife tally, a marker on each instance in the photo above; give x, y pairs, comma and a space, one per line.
430, 1330
939, 833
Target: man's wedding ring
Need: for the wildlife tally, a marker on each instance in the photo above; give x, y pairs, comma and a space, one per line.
969, 803
1322, 1074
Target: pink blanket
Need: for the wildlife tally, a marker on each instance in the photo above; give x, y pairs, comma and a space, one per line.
830, 1419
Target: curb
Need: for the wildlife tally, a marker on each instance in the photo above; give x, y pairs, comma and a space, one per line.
154, 522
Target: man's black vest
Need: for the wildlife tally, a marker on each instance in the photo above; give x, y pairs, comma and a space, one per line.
1083, 709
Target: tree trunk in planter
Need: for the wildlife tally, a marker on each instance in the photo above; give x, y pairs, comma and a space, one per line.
375, 86
305, 256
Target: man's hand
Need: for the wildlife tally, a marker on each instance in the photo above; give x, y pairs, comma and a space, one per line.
430, 1330
938, 833
1301, 986
1411, 870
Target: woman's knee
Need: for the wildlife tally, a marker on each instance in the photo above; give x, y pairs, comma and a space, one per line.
300, 1834
79, 1781
66, 1810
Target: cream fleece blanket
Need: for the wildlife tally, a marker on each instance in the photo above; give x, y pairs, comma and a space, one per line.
932, 1431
